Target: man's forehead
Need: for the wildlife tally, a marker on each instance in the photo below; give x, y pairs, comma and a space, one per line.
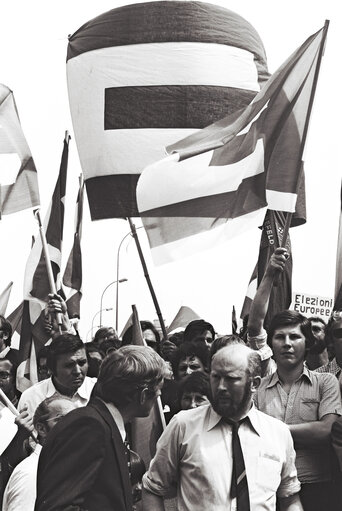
5, 365
231, 358
76, 355
288, 329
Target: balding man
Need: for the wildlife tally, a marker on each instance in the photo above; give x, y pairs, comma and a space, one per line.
225, 455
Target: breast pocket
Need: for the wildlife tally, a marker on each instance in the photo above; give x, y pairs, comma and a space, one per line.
269, 472
308, 410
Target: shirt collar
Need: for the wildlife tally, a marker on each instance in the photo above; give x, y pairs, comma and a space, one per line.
4, 352
117, 418
82, 391
214, 419
275, 377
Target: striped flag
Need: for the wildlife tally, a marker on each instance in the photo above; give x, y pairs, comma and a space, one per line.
221, 179
145, 431
338, 277
4, 297
143, 76
72, 277
36, 283
19, 184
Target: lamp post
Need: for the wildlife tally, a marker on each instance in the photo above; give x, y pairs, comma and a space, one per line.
99, 312
117, 279
117, 282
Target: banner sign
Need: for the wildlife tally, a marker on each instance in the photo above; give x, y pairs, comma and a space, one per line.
312, 305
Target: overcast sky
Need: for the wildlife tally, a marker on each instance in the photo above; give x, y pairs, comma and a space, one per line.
33, 38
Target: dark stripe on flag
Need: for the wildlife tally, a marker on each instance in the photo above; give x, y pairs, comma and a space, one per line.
207, 212
172, 21
117, 194
171, 106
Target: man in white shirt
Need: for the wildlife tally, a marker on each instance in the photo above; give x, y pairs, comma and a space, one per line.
20, 492
67, 361
194, 455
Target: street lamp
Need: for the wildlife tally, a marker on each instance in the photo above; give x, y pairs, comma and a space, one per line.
103, 292
99, 312
117, 279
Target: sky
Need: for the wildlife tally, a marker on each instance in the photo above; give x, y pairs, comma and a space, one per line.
34, 38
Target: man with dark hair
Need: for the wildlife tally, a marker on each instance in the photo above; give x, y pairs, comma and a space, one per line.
20, 492
67, 361
333, 336
199, 328
307, 401
5, 341
227, 453
318, 354
84, 463
190, 357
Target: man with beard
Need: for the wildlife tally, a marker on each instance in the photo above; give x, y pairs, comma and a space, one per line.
225, 455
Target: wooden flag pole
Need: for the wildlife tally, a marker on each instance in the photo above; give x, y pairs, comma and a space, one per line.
147, 277
48, 265
13, 409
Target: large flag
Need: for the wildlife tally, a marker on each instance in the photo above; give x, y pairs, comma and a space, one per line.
4, 297
72, 277
145, 430
19, 184
36, 282
281, 294
142, 76
220, 180
338, 277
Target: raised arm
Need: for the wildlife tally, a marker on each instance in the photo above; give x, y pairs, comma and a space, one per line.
261, 300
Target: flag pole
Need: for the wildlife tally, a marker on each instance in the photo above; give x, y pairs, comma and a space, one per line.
147, 277
14, 410
48, 265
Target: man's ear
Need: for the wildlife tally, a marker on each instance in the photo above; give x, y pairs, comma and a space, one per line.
255, 383
142, 395
41, 430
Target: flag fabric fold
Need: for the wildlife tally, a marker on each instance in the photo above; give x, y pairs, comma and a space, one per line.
72, 277
222, 178
33, 334
281, 294
182, 318
19, 183
4, 297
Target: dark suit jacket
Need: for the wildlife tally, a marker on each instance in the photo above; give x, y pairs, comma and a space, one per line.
83, 464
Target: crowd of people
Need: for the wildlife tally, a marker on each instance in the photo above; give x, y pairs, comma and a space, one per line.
254, 419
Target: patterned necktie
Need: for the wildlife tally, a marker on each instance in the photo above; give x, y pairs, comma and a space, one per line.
239, 486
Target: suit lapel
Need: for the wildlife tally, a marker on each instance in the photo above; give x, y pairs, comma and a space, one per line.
119, 449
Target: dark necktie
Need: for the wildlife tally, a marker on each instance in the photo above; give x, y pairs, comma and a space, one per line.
239, 486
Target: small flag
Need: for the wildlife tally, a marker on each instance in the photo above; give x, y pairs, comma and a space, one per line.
221, 179
36, 282
72, 277
182, 318
234, 321
19, 184
4, 297
281, 293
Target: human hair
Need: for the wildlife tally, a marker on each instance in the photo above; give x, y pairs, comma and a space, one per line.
253, 358
177, 338
6, 328
197, 349
288, 318
42, 412
127, 337
127, 370
14, 366
61, 345
194, 382
222, 341
317, 318
196, 328
103, 332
